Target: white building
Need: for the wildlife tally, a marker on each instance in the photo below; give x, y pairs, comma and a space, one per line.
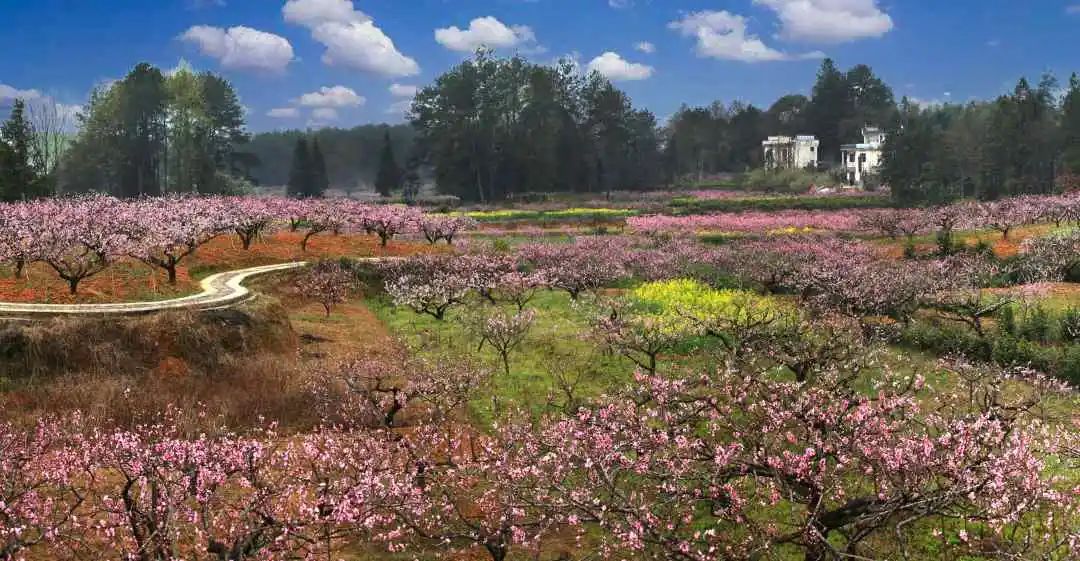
786, 152
859, 160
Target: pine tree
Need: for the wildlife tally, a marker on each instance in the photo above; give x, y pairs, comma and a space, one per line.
320, 180
389, 174
1070, 124
18, 178
829, 107
300, 176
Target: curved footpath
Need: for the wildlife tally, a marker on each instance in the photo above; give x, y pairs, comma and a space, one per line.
218, 291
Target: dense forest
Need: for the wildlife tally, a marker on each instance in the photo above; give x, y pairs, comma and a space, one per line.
494, 128
153, 133
352, 155
1025, 142
727, 138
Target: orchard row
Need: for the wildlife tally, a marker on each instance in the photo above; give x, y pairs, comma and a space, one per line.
80, 237
1002, 216
730, 463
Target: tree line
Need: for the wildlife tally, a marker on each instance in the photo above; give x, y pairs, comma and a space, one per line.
719, 138
31, 144
501, 128
352, 155
155, 132
493, 128
1024, 142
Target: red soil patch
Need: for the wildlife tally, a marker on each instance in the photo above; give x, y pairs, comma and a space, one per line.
1041, 290
128, 280
1002, 247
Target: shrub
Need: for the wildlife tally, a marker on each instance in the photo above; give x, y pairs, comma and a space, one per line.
910, 252
1011, 351
1070, 365
1036, 325
945, 242
1006, 319
1070, 325
770, 203
946, 340
784, 181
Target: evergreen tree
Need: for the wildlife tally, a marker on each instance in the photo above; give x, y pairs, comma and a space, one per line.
389, 175
320, 181
151, 133
300, 176
829, 107
911, 163
1070, 126
18, 177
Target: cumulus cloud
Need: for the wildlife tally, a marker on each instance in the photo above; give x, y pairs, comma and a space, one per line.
41, 107
486, 32
312, 13
614, 67
332, 97
399, 108
351, 38
646, 47
724, 35
403, 90
283, 113
241, 47
10, 93
829, 21
324, 114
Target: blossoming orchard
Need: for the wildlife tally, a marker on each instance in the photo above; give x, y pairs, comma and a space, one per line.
870, 383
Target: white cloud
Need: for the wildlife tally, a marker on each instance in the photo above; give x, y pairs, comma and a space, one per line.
724, 35
283, 113
646, 47
324, 114
241, 47
351, 38
40, 108
620, 4
337, 96
402, 90
312, 13
362, 46
10, 93
616, 68
926, 103
829, 21
399, 108
1072, 9
486, 32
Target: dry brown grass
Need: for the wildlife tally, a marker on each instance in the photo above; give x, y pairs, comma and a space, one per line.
129, 280
227, 363
243, 367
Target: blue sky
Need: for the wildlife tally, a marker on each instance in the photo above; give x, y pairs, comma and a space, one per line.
345, 62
